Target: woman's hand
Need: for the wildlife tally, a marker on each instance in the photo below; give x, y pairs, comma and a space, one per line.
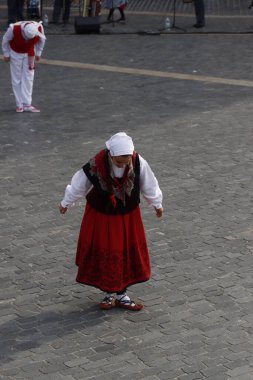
159, 212
63, 210
7, 59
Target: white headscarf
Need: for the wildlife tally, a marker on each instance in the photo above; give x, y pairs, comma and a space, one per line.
120, 144
31, 30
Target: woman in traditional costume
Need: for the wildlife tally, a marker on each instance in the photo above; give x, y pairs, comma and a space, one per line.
112, 251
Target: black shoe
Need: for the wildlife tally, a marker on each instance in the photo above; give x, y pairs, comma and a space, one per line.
199, 25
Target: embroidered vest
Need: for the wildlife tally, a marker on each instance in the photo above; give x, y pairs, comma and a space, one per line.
105, 201
20, 45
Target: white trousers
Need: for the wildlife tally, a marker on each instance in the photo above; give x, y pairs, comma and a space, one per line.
21, 78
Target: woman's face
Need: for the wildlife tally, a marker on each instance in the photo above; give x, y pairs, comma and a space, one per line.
122, 161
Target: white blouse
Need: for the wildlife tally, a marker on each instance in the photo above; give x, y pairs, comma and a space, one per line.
149, 187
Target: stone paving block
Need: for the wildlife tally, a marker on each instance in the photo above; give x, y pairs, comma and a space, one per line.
237, 363
78, 373
54, 376
52, 368
132, 376
111, 375
173, 374
245, 376
196, 376
66, 377
10, 372
239, 371
214, 371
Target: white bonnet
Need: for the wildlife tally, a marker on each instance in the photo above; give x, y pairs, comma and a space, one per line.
31, 30
120, 144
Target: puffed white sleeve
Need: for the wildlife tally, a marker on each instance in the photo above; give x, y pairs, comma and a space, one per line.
78, 188
8, 36
149, 186
40, 45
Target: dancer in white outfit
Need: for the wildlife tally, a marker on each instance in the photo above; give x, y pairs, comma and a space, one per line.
22, 44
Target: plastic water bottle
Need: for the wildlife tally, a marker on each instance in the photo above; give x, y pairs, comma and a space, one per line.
45, 20
167, 24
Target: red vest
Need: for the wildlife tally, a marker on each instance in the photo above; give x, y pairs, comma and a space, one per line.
20, 45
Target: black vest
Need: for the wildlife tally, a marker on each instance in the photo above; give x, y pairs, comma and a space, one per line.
101, 200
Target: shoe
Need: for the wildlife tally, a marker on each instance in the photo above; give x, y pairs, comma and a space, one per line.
31, 109
128, 304
198, 25
107, 303
19, 109
122, 19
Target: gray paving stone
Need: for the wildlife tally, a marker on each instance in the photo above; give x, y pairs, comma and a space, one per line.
11, 372
239, 371
246, 376
174, 374
214, 371
196, 376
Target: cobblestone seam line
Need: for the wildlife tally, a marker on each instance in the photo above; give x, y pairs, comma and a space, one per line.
151, 73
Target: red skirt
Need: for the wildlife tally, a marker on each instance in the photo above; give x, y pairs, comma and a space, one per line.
112, 251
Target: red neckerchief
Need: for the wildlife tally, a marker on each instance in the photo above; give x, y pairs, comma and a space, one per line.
101, 167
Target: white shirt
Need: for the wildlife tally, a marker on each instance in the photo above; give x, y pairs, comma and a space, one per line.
80, 185
8, 36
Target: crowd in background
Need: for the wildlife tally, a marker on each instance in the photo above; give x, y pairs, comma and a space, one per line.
62, 9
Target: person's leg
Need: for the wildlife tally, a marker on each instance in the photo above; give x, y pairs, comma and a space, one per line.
200, 13
121, 293
27, 83
16, 76
93, 8
12, 17
122, 14
66, 13
110, 15
58, 4
97, 7
27, 87
124, 301
108, 302
20, 10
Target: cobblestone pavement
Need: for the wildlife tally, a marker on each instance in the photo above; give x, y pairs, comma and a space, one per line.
196, 132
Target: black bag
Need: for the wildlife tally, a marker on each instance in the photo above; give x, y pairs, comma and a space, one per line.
85, 25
